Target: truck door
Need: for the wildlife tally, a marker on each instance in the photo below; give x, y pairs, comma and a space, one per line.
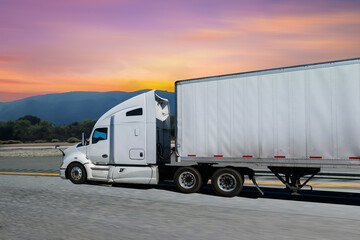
98, 150
128, 144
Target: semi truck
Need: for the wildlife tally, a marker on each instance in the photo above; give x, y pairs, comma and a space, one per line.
293, 120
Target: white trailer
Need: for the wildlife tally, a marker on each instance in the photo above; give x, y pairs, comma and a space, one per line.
293, 120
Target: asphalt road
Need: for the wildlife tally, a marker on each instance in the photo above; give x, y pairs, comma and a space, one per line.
49, 164
33, 207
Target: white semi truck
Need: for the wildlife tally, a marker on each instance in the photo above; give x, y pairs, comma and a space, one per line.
293, 120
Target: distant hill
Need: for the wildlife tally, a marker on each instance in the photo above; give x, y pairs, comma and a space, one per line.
66, 108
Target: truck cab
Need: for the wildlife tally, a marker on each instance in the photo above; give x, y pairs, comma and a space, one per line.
125, 145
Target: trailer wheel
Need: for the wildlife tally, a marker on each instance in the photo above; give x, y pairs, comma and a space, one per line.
77, 173
227, 182
188, 180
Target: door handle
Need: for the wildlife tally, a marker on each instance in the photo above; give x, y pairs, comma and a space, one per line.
104, 155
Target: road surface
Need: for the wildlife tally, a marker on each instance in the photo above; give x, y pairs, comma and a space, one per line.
37, 207
48, 164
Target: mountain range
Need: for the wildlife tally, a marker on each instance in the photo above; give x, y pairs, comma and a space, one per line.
69, 107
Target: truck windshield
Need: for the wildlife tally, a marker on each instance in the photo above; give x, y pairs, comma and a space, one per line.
99, 134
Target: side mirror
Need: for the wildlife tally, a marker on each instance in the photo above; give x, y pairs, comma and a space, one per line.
58, 147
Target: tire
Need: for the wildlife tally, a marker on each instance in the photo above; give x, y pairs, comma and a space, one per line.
227, 182
77, 173
188, 180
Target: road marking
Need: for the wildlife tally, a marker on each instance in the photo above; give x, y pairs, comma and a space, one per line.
330, 185
32, 174
335, 185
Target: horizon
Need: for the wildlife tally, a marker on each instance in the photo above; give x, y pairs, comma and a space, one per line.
129, 46
84, 92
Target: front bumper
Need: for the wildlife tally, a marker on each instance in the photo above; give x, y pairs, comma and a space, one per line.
62, 173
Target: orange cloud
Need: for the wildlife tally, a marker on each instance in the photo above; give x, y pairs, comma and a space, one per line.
257, 42
317, 23
8, 59
211, 35
13, 82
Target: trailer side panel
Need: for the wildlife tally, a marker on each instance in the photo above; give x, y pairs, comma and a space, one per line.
304, 112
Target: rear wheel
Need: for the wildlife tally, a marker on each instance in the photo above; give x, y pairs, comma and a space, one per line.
77, 173
188, 180
227, 182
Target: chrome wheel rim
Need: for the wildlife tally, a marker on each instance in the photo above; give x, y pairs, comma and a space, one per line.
76, 173
187, 180
226, 182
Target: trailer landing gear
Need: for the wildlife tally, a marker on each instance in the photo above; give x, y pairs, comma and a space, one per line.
293, 175
252, 178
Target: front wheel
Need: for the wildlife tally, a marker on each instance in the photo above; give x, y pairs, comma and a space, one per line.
77, 173
227, 182
188, 180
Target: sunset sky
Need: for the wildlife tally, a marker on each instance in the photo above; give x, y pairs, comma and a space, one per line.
126, 45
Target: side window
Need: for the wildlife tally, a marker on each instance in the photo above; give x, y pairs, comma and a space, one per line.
99, 134
135, 112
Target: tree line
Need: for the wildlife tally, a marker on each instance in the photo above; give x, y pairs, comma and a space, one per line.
32, 129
